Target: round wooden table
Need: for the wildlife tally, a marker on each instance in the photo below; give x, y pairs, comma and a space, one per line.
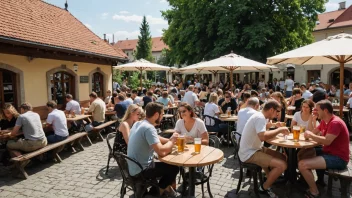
292, 147
226, 118
207, 156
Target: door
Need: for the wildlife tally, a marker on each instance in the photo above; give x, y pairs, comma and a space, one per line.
62, 83
97, 83
8, 88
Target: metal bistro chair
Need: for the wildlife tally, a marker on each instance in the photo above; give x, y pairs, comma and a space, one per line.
138, 184
110, 155
253, 168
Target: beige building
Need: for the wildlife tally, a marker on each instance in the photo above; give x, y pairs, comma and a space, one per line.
46, 53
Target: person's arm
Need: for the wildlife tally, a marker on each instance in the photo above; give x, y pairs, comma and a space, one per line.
163, 149
125, 130
324, 140
163, 140
205, 138
293, 100
312, 122
15, 131
169, 104
267, 135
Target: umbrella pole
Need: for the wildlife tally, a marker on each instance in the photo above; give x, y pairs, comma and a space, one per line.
342, 69
141, 79
231, 79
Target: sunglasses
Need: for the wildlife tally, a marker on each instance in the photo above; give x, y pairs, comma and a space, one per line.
278, 110
184, 111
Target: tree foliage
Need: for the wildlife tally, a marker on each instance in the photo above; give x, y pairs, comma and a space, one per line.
256, 29
144, 45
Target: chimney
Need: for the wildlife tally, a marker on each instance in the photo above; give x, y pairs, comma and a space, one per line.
126, 38
342, 5
66, 6
105, 37
113, 38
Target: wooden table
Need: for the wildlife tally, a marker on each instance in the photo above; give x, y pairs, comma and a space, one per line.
226, 118
78, 117
207, 156
292, 147
110, 113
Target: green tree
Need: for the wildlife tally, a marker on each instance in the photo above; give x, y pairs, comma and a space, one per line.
256, 29
144, 45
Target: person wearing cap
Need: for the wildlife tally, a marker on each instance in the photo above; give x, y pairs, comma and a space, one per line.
321, 86
306, 94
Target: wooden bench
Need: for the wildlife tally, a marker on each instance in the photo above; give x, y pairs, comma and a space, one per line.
22, 160
345, 177
100, 128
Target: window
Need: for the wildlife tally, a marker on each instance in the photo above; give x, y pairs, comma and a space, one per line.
62, 83
335, 77
8, 88
97, 82
313, 75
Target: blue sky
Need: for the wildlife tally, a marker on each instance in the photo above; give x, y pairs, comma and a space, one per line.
123, 17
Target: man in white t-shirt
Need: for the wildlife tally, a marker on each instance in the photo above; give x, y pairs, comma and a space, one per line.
57, 120
305, 93
289, 86
72, 105
349, 102
134, 97
246, 113
251, 150
108, 97
190, 97
261, 84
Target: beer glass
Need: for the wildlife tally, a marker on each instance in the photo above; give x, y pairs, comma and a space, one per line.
296, 131
180, 144
303, 128
197, 144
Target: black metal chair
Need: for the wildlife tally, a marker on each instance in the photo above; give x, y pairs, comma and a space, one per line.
211, 123
138, 184
254, 169
110, 155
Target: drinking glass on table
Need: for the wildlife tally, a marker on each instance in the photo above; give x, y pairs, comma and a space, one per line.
197, 144
296, 131
180, 144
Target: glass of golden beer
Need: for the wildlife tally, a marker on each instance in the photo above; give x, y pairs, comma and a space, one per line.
296, 131
197, 144
303, 128
181, 144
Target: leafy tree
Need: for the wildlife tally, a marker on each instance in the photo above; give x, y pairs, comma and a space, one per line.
256, 29
144, 45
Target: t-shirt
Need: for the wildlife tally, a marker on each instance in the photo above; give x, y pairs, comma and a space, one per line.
190, 97
243, 116
73, 106
289, 84
250, 142
210, 109
31, 126
165, 101
350, 102
261, 84
146, 100
128, 101
58, 120
282, 84
340, 146
107, 99
136, 100
307, 94
347, 92
297, 117
120, 109
5, 124
197, 130
98, 109
298, 104
143, 135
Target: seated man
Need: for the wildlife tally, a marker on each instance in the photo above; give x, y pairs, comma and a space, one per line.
97, 109
251, 150
333, 134
144, 141
57, 121
73, 107
120, 106
32, 130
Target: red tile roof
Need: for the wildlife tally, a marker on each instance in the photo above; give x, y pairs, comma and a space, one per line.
40, 23
157, 44
340, 18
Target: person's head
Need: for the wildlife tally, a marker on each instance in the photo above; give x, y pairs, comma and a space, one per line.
324, 109
321, 84
213, 98
303, 87
254, 93
271, 109
219, 92
25, 107
319, 95
133, 112
246, 95
120, 98
307, 106
68, 97
263, 90
227, 96
296, 85
134, 93
93, 96
279, 97
191, 88
149, 94
253, 102
128, 95
108, 92
333, 88
114, 94
9, 112
51, 105
297, 92
182, 92
350, 86
157, 92
186, 111
165, 94
154, 112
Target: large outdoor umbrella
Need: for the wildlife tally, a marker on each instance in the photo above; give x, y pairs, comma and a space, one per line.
231, 62
141, 65
334, 49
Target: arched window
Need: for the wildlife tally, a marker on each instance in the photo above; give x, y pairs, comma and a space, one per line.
98, 84
62, 83
8, 88
335, 77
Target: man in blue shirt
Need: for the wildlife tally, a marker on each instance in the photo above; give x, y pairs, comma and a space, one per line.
144, 141
121, 106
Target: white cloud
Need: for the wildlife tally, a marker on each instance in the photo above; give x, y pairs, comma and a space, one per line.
138, 19
123, 35
88, 25
124, 12
160, 31
104, 15
331, 6
163, 1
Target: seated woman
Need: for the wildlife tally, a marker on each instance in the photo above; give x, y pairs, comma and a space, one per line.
9, 116
112, 100
296, 99
280, 98
304, 117
213, 110
131, 116
164, 99
190, 126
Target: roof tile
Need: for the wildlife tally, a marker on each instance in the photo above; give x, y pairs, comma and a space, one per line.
157, 44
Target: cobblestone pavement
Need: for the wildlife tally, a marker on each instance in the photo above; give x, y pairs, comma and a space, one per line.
81, 174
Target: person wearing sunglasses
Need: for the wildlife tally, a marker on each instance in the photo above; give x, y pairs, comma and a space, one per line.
190, 126
131, 116
228, 102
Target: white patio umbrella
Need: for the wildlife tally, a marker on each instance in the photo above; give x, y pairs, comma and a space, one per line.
141, 65
334, 49
231, 62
